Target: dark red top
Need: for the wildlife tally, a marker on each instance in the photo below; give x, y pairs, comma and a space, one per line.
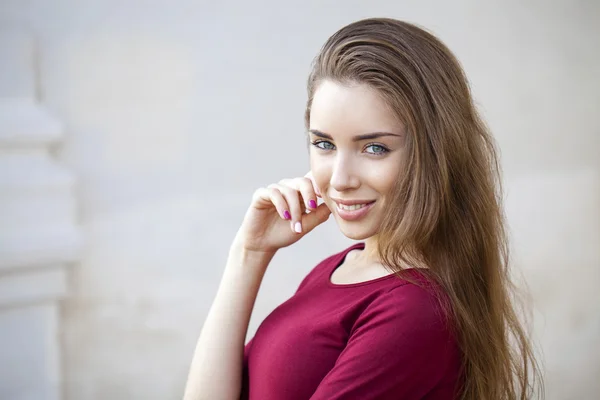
381, 339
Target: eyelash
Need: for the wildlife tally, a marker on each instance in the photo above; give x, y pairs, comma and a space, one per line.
383, 151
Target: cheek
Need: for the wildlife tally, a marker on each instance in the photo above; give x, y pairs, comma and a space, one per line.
320, 172
321, 179
383, 177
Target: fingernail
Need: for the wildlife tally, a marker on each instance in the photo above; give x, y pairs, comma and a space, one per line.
298, 227
312, 204
286, 214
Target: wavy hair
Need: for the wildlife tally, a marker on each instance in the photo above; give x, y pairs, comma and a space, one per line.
446, 212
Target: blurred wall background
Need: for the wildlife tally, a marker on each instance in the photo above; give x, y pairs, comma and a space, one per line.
158, 119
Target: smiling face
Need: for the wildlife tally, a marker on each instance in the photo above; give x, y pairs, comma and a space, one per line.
356, 152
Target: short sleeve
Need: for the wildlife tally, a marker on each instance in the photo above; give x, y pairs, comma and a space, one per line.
399, 348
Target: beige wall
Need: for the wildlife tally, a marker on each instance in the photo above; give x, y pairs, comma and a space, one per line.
176, 110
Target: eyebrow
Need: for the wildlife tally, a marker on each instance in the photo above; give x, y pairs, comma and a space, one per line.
358, 138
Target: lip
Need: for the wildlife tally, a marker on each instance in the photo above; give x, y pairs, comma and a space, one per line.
353, 215
351, 202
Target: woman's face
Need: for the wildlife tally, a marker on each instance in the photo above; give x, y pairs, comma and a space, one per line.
356, 154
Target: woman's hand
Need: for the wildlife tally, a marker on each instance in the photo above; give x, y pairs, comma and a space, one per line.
281, 214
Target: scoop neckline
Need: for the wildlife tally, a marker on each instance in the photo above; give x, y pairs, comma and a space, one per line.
341, 260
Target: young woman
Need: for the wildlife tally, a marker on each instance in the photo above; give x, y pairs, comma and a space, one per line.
421, 307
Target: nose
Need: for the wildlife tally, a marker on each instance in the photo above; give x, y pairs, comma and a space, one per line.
343, 176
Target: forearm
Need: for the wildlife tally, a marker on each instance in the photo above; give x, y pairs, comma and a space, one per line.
216, 369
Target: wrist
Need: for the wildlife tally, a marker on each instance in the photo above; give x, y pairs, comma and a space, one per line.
254, 260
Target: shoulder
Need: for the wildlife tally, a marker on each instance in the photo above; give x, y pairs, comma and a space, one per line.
416, 288
326, 264
417, 308
405, 329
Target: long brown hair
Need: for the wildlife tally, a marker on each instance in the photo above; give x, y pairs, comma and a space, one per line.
446, 212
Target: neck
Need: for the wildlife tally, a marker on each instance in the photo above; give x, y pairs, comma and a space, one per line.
369, 255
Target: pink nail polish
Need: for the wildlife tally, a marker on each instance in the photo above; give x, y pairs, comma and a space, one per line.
312, 204
286, 214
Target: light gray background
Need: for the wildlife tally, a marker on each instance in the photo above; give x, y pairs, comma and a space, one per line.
177, 110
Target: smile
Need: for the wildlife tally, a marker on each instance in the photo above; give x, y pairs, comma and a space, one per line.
352, 207
353, 212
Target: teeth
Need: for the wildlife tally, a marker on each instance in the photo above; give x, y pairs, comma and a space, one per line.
352, 207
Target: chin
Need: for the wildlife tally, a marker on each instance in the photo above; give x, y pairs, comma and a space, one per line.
355, 236
356, 230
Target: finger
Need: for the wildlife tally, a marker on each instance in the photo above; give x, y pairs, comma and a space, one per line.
273, 197
309, 175
296, 208
315, 218
306, 189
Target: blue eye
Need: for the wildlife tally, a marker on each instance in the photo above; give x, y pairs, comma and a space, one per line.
377, 149
323, 145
